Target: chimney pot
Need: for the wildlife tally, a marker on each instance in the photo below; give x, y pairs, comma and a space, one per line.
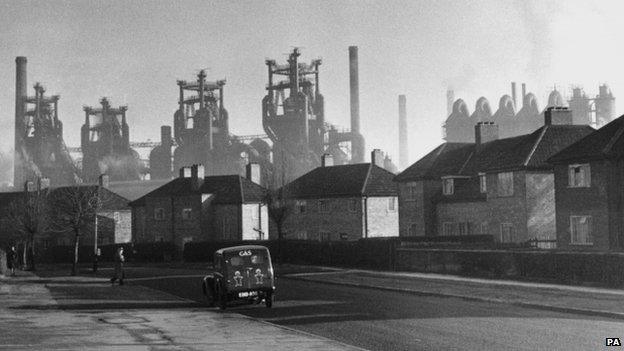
327, 160
252, 172
558, 116
197, 176
44, 183
104, 180
377, 158
185, 172
485, 132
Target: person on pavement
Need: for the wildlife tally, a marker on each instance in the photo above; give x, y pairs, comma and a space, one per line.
12, 260
119, 271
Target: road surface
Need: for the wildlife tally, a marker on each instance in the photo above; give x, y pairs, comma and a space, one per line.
385, 320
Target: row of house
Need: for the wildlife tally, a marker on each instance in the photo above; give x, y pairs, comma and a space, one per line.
560, 185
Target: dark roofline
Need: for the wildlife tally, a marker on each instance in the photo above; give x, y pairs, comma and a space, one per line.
239, 179
492, 169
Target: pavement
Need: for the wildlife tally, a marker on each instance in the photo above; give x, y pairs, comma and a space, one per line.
592, 301
87, 313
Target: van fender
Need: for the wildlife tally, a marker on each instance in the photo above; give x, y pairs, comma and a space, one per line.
208, 283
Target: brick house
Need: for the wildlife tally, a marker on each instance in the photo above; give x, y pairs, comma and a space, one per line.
113, 216
501, 187
198, 208
589, 181
346, 202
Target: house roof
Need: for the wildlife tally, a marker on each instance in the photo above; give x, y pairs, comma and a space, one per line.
7, 197
529, 151
605, 142
134, 189
110, 201
227, 189
362, 179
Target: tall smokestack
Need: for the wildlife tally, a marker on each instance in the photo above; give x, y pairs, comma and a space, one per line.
357, 148
355, 89
21, 90
523, 92
513, 94
402, 133
450, 99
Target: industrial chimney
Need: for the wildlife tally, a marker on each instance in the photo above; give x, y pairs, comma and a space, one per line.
402, 133
523, 93
357, 147
450, 99
21, 91
513, 95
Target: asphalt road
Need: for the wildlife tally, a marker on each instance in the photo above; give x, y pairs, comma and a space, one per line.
382, 320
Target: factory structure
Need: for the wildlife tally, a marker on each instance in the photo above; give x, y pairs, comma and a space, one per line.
293, 118
514, 119
296, 140
105, 143
40, 151
201, 135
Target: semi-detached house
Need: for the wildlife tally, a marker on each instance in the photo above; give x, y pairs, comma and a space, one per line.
500, 187
342, 202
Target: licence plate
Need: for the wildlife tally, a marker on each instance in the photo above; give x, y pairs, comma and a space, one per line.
247, 293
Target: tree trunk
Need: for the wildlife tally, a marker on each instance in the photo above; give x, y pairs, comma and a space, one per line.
279, 243
76, 245
32, 252
24, 254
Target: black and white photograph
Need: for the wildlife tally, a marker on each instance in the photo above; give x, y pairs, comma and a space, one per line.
311, 175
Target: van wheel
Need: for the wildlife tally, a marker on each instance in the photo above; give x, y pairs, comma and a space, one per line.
222, 302
268, 300
210, 296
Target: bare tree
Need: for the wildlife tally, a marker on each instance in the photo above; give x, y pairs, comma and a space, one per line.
29, 218
75, 209
279, 210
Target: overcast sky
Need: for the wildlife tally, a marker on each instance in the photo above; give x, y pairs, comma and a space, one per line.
134, 51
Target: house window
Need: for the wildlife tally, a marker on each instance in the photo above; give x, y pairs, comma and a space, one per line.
302, 235
323, 206
391, 204
412, 229
581, 230
324, 236
505, 184
353, 205
448, 228
448, 187
301, 206
411, 192
463, 228
507, 232
159, 214
483, 228
482, 183
186, 214
579, 176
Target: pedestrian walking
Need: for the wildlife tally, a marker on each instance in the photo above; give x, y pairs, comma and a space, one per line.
119, 271
12, 260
